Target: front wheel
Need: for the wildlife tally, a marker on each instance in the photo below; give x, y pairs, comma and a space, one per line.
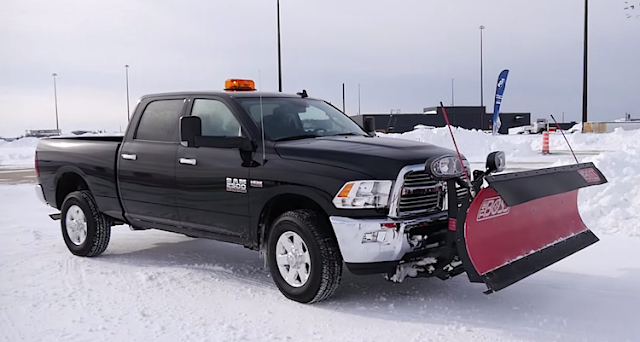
85, 231
304, 257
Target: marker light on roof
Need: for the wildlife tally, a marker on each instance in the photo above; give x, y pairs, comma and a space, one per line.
239, 85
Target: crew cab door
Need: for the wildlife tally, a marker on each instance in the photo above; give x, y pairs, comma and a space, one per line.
213, 181
147, 164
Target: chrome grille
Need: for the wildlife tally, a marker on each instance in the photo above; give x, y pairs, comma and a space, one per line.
420, 194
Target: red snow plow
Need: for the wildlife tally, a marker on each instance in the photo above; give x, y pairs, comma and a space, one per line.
521, 222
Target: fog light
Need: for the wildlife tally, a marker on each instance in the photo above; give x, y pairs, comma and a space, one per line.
378, 236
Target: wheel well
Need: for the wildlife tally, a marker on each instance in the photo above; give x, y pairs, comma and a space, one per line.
68, 183
280, 205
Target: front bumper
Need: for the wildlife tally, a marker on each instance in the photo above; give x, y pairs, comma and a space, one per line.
364, 241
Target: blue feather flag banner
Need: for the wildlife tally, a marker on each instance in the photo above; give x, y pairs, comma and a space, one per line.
502, 83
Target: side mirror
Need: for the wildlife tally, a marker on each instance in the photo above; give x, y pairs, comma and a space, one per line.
369, 125
496, 162
190, 128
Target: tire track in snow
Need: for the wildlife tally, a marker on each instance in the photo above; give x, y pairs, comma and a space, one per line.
8, 332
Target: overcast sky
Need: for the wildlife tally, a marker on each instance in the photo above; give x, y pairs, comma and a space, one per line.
404, 54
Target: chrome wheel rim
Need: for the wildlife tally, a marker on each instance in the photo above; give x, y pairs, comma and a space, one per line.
76, 223
293, 259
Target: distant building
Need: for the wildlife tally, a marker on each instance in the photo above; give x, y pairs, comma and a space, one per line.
465, 117
42, 133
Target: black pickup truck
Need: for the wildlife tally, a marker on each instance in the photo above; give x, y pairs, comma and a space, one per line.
298, 180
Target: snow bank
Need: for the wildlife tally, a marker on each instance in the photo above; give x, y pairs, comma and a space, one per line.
19, 152
474, 144
612, 208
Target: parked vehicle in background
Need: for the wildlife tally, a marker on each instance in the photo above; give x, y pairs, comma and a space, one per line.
537, 127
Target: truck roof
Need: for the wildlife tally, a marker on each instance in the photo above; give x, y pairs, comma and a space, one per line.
236, 94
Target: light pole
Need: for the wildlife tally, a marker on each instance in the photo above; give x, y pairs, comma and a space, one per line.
343, 99
584, 77
126, 73
452, 93
55, 100
358, 99
481, 70
279, 53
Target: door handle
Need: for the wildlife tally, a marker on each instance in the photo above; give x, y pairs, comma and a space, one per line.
187, 161
129, 156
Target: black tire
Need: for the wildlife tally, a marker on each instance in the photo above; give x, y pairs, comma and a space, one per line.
326, 261
98, 227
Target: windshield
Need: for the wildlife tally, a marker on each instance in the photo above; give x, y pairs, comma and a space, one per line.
298, 118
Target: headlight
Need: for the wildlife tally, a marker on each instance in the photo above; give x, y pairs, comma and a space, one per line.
363, 195
446, 167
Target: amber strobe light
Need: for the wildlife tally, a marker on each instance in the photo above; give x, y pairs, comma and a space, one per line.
236, 84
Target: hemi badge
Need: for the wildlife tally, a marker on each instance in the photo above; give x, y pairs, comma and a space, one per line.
256, 184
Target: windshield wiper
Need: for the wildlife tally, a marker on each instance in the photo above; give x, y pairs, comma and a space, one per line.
352, 133
297, 137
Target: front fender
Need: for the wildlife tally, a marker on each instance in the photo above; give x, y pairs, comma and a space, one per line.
261, 198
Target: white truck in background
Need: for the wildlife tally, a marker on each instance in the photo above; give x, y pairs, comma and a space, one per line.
537, 127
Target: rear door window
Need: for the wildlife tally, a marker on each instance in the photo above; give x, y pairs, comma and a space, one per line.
160, 121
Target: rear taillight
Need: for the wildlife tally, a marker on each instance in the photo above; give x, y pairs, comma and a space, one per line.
36, 165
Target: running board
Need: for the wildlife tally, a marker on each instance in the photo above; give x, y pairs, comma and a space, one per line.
56, 217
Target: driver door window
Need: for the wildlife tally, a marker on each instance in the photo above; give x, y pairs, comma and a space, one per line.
217, 119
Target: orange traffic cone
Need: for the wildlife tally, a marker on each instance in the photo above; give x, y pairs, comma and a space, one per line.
545, 142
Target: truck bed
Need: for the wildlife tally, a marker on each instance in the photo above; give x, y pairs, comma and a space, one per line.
92, 157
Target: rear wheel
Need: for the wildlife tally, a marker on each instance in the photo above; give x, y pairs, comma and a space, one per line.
85, 231
304, 257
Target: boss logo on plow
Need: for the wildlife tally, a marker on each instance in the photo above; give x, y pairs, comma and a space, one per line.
492, 207
590, 175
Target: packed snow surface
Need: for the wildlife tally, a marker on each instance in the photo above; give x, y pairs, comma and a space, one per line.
156, 286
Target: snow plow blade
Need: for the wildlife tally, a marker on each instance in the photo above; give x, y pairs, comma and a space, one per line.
524, 222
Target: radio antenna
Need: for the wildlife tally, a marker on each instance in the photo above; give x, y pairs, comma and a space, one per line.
446, 118
565, 139
264, 150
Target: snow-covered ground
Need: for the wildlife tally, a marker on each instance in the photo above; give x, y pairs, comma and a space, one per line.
18, 152
155, 286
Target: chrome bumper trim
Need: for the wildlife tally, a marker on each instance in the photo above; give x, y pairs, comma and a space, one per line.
389, 244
